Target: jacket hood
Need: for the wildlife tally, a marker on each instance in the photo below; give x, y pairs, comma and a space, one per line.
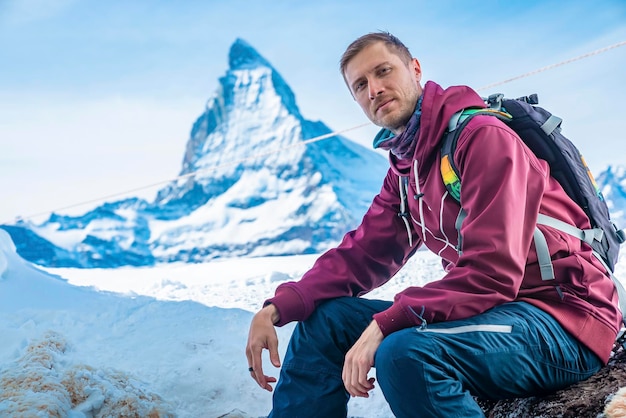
438, 106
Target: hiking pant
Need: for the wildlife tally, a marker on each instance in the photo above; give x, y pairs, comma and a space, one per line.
512, 350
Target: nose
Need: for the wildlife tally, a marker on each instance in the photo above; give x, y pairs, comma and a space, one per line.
375, 88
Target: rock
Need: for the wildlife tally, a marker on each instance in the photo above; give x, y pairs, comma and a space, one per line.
595, 397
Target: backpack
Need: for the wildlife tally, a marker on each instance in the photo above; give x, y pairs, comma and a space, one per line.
541, 132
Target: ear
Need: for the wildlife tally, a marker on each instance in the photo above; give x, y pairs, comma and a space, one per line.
417, 69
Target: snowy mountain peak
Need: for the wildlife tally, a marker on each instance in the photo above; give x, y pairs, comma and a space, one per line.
252, 112
243, 56
247, 68
249, 186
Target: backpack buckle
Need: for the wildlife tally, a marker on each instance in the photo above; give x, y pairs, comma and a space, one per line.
495, 101
531, 99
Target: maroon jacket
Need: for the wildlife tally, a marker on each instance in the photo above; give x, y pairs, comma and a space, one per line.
504, 188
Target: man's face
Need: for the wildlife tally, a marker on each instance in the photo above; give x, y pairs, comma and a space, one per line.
386, 88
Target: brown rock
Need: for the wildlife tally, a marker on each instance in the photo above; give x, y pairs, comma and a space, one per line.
584, 399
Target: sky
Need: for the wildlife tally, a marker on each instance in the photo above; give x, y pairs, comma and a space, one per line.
98, 98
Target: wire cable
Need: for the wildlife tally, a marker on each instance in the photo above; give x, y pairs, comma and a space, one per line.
551, 66
194, 173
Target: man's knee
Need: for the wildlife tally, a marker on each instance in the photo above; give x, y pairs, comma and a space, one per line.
336, 323
334, 310
345, 313
404, 351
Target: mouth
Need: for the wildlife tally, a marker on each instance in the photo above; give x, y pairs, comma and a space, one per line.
382, 105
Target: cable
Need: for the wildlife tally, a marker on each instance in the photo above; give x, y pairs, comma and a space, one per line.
551, 66
193, 173
308, 141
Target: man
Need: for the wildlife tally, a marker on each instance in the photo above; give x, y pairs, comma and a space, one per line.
491, 327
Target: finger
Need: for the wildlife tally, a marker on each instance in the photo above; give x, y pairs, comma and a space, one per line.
357, 385
257, 368
362, 385
352, 383
365, 384
273, 349
268, 380
249, 357
346, 376
254, 362
349, 375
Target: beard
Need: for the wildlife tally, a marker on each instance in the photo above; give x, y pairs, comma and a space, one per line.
396, 120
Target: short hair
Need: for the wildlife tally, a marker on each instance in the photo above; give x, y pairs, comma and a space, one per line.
393, 44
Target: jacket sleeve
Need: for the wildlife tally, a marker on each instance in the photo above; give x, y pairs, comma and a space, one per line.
502, 187
366, 258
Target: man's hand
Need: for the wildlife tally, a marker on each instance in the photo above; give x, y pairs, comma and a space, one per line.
262, 335
359, 360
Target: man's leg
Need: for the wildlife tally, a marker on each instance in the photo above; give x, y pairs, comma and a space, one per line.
514, 350
310, 382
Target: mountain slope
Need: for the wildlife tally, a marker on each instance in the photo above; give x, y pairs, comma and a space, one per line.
612, 183
249, 185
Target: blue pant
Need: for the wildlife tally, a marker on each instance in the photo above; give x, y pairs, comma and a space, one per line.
513, 350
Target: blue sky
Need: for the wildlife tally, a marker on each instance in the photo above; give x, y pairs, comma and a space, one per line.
99, 97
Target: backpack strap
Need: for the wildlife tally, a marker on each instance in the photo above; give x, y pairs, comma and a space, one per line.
403, 184
619, 287
551, 124
452, 180
541, 246
588, 236
449, 172
457, 224
543, 255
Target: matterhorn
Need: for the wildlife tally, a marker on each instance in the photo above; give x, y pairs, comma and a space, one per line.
254, 182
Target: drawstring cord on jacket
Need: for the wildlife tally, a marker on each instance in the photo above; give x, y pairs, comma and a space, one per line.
403, 183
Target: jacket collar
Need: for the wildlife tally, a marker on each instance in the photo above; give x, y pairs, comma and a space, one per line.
438, 106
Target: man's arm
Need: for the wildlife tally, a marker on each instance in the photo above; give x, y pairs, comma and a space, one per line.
262, 335
366, 258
